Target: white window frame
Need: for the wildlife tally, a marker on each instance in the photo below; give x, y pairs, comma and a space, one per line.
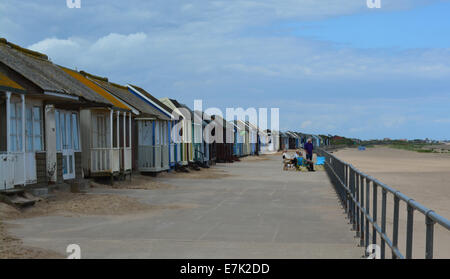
59, 139
33, 123
16, 122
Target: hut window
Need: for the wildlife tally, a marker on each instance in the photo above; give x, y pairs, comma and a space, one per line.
157, 132
165, 133
16, 127
99, 132
34, 129
62, 129
76, 143
58, 135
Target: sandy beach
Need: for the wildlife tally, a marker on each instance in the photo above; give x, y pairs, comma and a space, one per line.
425, 177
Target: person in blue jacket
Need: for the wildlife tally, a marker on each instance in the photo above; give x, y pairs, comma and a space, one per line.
309, 149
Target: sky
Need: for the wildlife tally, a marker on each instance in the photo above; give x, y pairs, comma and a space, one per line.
330, 66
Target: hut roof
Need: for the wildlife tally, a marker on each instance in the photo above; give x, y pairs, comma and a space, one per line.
122, 93
49, 77
163, 108
93, 86
173, 105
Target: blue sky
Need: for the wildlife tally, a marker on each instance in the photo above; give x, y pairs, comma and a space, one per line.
330, 66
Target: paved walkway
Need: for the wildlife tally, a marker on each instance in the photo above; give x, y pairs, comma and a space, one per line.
258, 211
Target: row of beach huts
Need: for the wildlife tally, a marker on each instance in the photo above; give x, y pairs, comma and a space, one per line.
61, 125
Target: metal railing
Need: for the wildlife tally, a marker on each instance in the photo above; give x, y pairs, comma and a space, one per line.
358, 191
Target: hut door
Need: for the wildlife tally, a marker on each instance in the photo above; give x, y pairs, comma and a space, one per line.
68, 134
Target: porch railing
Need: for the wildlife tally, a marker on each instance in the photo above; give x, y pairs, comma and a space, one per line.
126, 153
358, 192
164, 156
7, 170
105, 159
172, 152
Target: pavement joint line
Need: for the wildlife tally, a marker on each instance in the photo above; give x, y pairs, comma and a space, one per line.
209, 230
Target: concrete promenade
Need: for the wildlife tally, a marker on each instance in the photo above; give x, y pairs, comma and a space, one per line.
255, 211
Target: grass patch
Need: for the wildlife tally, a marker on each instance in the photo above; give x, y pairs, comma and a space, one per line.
417, 147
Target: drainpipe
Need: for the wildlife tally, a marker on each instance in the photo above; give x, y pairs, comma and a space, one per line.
118, 128
22, 96
129, 143
124, 137
8, 122
129, 130
110, 127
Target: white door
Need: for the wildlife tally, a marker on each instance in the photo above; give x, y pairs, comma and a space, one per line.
68, 134
34, 142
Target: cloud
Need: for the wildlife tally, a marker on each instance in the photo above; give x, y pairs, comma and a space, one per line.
209, 50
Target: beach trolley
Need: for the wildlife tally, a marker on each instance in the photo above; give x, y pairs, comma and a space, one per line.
185, 129
224, 135
105, 132
40, 119
154, 134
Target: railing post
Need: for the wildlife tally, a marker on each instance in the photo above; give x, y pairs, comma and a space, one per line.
363, 215
347, 200
358, 225
374, 210
429, 237
409, 231
383, 222
395, 225
367, 211
352, 195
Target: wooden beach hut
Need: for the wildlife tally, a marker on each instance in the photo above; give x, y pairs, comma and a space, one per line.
40, 136
105, 132
199, 153
186, 133
224, 132
254, 138
201, 147
294, 140
155, 146
210, 147
245, 133
239, 139
142, 111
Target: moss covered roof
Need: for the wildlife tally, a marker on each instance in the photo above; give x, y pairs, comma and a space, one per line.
8, 84
116, 102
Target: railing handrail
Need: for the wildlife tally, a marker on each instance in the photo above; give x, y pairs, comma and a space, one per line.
353, 190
